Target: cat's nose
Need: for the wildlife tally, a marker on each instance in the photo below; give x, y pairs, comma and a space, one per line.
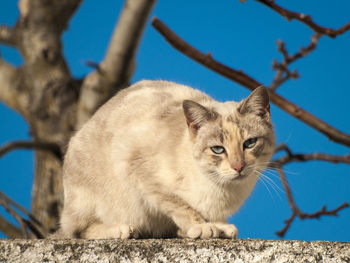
238, 166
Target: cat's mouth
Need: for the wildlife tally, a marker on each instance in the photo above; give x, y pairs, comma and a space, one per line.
241, 176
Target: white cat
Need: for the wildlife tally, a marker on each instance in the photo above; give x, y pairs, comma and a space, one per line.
161, 159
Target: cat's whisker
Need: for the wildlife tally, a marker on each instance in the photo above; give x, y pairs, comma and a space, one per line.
271, 173
266, 186
285, 170
260, 178
268, 181
273, 183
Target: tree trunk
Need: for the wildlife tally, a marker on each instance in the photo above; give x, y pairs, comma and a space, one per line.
54, 125
44, 92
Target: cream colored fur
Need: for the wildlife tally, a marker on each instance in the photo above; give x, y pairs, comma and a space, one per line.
142, 166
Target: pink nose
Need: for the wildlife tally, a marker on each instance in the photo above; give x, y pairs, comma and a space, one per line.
238, 166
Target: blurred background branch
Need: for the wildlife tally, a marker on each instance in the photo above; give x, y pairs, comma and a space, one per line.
51, 147
250, 83
283, 73
305, 19
118, 65
296, 212
29, 226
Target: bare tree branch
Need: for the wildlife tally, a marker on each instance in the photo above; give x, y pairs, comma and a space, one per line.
305, 19
43, 15
296, 212
291, 157
302, 52
250, 83
31, 223
294, 110
38, 37
45, 146
298, 157
283, 73
13, 213
7, 35
9, 230
116, 69
323, 212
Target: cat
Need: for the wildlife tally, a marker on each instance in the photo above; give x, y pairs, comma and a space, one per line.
162, 160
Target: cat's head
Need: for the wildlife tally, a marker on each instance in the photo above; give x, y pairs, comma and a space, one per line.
231, 141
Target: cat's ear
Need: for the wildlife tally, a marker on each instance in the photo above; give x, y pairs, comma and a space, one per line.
257, 103
196, 115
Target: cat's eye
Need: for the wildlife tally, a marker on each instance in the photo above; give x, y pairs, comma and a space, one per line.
250, 143
218, 149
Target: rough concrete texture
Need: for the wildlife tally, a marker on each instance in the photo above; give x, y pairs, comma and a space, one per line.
172, 250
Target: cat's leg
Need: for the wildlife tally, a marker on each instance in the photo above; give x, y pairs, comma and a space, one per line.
189, 221
102, 231
84, 225
71, 224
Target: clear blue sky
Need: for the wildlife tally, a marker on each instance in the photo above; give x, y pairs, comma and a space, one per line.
242, 35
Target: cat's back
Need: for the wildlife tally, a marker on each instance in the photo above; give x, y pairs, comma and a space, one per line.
146, 117
145, 104
144, 109
153, 96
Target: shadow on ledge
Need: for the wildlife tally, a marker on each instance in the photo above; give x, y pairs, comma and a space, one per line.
172, 250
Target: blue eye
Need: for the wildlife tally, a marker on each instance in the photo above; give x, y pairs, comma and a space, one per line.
250, 143
218, 149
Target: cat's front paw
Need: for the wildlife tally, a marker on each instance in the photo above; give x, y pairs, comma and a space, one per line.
120, 231
102, 231
126, 232
206, 230
227, 230
211, 230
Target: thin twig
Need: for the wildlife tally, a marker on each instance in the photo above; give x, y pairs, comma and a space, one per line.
46, 146
250, 83
314, 157
288, 222
283, 147
303, 51
296, 212
323, 212
283, 73
9, 230
299, 157
94, 65
16, 216
19, 207
32, 223
305, 19
287, 189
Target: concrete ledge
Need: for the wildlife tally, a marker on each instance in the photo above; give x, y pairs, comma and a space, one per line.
172, 250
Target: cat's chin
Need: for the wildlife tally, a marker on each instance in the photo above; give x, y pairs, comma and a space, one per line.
227, 177
240, 176
233, 178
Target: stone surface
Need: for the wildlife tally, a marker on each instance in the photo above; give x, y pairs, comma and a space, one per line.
172, 250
